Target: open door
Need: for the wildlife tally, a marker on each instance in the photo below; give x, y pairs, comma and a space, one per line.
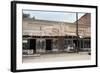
48, 44
32, 45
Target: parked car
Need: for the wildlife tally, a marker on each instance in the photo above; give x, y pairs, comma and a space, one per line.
70, 48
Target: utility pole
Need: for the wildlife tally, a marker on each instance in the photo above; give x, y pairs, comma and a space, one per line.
77, 35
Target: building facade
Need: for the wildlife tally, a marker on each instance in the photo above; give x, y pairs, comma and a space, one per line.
42, 36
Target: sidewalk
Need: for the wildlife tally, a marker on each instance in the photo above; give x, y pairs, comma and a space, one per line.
56, 57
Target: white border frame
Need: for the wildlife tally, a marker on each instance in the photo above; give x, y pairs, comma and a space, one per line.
21, 66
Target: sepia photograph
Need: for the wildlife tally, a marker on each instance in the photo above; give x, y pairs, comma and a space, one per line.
55, 36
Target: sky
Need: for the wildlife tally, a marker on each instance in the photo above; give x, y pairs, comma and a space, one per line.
53, 16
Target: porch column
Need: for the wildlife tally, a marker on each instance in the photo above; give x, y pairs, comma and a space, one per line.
61, 43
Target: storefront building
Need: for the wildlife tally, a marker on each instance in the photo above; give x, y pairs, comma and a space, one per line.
42, 36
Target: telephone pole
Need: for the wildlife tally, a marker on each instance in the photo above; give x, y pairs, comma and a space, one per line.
77, 35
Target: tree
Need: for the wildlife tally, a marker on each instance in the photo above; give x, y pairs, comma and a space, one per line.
26, 15
33, 17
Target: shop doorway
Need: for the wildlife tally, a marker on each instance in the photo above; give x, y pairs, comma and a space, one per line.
48, 44
32, 45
